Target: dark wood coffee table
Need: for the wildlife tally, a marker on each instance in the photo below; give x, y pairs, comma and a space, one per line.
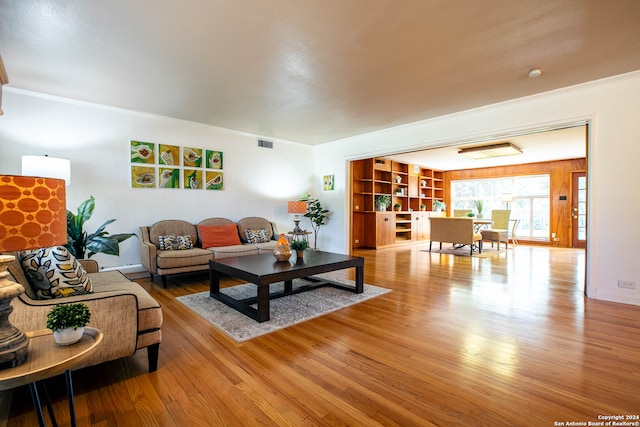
263, 269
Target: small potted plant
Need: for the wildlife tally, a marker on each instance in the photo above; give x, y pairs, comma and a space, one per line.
67, 321
382, 201
397, 207
479, 206
299, 246
423, 207
439, 206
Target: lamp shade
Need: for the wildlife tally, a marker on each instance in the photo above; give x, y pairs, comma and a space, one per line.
507, 197
297, 207
33, 213
49, 167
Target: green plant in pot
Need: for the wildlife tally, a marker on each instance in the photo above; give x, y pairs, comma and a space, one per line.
382, 202
438, 206
317, 214
67, 321
397, 207
299, 246
423, 207
479, 205
100, 241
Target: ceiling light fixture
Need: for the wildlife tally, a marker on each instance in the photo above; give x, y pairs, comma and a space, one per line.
536, 72
487, 151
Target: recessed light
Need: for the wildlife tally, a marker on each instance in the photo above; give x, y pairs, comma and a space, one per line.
536, 72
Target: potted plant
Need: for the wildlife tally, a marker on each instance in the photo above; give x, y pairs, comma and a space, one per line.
479, 206
299, 246
423, 207
99, 241
382, 201
439, 206
67, 321
397, 207
317, 214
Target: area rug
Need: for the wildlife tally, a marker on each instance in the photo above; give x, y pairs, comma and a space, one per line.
464, 251
285, 311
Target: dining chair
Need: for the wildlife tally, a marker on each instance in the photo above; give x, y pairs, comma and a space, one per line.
499, 231
459, 213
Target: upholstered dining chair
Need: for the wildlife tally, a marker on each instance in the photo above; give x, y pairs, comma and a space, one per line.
461, 213
499, 231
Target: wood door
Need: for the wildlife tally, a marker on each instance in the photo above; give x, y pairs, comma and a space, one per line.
579, 209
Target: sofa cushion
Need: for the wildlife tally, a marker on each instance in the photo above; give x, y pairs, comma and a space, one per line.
235, 250
218, 235
185, 258
55, 273
256, 236
169, 243
172, 227
254, 223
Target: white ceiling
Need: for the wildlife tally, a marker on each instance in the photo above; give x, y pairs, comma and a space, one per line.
540, 146
312, 71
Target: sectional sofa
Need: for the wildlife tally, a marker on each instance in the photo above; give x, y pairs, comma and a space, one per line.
191, 246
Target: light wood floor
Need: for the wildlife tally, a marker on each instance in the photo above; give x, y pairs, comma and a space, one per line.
508, 340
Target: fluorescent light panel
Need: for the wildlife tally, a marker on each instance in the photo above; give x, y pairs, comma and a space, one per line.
487, 151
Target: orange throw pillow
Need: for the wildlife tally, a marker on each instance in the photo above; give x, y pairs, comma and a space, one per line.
219, 235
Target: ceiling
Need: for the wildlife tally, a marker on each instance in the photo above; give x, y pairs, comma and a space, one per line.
312, 71
536, 146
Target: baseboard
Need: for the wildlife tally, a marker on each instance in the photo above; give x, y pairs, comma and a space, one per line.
133, 271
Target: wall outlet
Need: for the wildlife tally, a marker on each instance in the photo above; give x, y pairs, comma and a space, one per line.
627, 284
553, 236
357, 240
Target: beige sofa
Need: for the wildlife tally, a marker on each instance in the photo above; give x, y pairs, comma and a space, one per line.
164, 262
127, 315
459, 231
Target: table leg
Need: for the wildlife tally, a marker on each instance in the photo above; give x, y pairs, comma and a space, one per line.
214, 283
263, 303
36, 404
52, 416
360, 279
72, 408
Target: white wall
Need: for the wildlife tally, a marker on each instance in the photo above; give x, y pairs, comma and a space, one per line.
257, 181
611, 105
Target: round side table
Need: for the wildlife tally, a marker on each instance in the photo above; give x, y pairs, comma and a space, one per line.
46, 359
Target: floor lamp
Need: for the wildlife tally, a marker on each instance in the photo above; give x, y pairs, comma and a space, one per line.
33, 215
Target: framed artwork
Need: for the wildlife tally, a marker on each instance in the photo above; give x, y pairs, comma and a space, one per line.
214, 181
328, 183
169, 155
143, 152
143, 177
214, 159
192, 157
192, 179
169, 178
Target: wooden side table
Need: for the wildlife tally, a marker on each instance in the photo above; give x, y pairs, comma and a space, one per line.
46, 359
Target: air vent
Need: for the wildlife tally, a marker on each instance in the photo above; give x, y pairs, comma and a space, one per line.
265, 144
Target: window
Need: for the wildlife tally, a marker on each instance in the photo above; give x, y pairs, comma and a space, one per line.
530, 203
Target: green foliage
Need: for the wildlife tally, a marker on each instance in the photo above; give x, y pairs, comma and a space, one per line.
479, 205
438, 205
316, 214
98, 242
299, 245
64, 316
383, 199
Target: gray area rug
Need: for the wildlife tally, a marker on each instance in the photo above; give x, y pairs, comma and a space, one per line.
285, 311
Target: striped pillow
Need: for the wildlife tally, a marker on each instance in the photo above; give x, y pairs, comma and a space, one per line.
174, 243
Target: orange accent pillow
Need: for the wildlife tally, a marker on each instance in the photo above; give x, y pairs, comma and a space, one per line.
219, 235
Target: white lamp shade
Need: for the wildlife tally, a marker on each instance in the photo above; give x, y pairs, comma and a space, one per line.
47, 167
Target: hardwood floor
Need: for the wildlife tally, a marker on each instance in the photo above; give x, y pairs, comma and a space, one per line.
508, 340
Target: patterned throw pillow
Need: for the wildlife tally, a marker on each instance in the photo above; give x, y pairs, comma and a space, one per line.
55, 273
175, 243
256, 236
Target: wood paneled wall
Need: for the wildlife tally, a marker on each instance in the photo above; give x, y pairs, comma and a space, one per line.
560, 174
